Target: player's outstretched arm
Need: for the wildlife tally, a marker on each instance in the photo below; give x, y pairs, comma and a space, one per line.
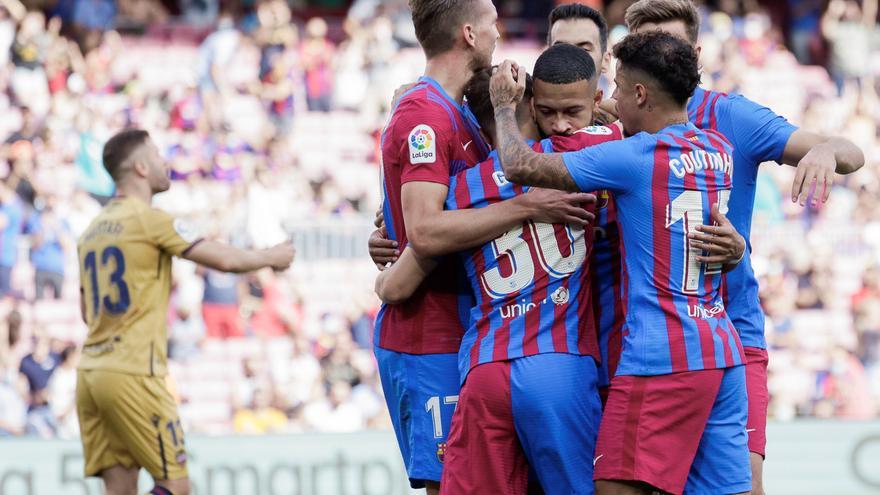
817, 158
226, 258
396, 284
520, 163
433, 231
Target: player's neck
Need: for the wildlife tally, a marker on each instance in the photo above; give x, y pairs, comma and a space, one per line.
659, 120
138, 191
450, 74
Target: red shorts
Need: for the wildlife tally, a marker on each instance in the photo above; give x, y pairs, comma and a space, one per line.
222, 321
653, 430
759, 399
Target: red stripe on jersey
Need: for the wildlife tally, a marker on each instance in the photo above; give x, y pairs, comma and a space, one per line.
586, 325
462, 191
713, 123
483, 326
662, 258
532, 322
701, 110
723, 333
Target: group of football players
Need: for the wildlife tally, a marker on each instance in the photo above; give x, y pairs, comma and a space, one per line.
570, 306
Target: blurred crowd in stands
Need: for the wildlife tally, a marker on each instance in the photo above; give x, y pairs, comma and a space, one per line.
269, 119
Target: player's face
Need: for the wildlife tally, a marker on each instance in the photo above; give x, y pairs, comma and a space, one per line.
485, 33
562, 109
157, 173
628, 104
583, 33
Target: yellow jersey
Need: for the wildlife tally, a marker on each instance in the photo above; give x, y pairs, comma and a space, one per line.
125, 274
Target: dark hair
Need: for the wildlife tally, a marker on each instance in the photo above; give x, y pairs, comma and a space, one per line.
580, 11
667, 59
478, 99
564, 64
657, 11
436, 22
120, 148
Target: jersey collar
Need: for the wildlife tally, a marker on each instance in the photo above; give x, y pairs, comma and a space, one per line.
433, 83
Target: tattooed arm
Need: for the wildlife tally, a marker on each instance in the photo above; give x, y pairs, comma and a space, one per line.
520, 163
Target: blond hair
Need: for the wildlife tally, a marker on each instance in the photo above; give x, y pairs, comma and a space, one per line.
657, 11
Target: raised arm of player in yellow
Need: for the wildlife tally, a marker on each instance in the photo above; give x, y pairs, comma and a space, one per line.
226, 258
397, 284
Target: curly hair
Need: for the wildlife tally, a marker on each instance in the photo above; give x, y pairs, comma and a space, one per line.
667, 59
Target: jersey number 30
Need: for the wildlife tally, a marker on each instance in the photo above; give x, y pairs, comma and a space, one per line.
114, 306
518, 251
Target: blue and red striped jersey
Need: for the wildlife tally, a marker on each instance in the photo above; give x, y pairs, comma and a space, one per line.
664, 185
429, 138
609, 292
758, 135
532, 284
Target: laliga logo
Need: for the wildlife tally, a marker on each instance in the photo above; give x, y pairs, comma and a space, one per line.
560, 296
421, 139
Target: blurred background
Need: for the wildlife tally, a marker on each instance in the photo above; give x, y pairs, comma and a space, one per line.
269, 114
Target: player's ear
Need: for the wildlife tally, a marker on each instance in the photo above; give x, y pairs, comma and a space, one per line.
598, 97
699, 49
140, 167
470, 35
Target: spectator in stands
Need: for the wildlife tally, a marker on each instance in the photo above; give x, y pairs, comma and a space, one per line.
62, 392
215, 55
220, 308
804, 16
38, 368
50, 242
260, 416
849, 36
317, 54
11, 218
185, 335
13, 407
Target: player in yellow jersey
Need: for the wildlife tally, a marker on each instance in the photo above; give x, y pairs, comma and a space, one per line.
127, 416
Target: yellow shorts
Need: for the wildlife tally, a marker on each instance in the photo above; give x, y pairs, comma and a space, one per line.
130, 421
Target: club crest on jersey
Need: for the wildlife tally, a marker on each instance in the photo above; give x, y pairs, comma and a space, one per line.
602, 199
596, 130
560, 296
441, 452
422, 145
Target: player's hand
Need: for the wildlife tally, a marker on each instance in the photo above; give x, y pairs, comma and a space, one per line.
379, 221
399, 92
281, 256
721, 241
815, 175
605, 112
552, 206
383, 250
508, 84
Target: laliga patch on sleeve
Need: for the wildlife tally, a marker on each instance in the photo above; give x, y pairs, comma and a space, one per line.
185, 230
597, 130
422, 145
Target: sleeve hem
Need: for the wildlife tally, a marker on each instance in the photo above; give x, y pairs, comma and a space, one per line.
191, 246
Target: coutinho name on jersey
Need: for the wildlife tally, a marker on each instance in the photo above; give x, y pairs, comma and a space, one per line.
700, 160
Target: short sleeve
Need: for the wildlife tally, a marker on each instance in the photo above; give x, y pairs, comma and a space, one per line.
759, 134
425, 138
614, 165
173, 235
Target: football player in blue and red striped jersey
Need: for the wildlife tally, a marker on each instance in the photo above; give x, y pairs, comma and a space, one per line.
758, 135
680, 378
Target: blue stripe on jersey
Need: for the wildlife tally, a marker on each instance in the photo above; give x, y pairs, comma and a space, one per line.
517, 329
451, 198
547, 145
390, 229
467, 342
475, 187
545, 336
377, 326
574, 306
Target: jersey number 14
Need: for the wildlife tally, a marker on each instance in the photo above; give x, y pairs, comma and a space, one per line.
688, 209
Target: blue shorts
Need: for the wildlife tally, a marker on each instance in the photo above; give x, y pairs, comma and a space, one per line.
722, 464
540, 412
421, 392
